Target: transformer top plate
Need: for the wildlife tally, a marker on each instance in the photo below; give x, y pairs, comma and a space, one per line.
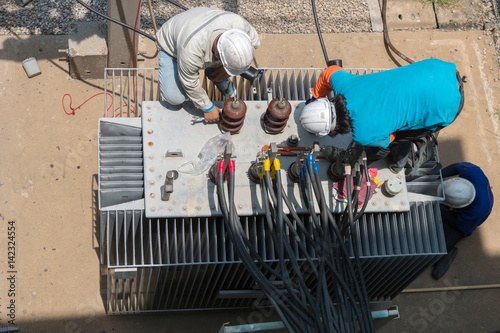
170, 140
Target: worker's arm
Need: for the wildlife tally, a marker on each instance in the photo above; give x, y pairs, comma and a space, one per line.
450, 170
240, 23
322, 86
190, 80
254, 37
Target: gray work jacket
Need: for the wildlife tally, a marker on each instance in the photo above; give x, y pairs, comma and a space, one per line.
188, 37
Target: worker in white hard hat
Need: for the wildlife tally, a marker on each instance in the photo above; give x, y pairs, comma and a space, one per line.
218, 41
468, 204
386, 110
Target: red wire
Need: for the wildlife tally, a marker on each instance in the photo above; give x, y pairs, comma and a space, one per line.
132, 111
109, 94
79, 106
74, 109
134, 62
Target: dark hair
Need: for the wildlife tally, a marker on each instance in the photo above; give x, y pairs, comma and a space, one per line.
343, 120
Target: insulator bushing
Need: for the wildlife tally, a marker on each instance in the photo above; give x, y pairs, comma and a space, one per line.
336, 172
213, 173
277, 115
294, 172
292, 141
233, 115
253, 173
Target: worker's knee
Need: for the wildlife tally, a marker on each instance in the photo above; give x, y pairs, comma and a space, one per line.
173, 97
171, 89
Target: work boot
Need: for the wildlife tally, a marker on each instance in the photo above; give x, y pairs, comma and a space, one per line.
444, 263
394, 168
394, 164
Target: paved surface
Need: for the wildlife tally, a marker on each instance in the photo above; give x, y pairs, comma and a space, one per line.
48, 164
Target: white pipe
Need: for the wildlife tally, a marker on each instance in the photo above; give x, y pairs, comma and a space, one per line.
427, 290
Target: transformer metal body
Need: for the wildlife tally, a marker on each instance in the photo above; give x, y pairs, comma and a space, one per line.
162, 236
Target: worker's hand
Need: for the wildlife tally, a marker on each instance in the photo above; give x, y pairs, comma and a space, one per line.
218, 75
212, 115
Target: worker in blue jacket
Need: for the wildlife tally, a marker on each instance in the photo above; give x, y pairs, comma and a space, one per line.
468, 203
386, 110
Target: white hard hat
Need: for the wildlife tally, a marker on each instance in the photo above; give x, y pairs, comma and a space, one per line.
318, 117
235, 51
458, 192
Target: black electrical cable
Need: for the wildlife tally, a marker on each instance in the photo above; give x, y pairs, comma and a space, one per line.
302, 228
347, 261
322, 288
356, 252
271, 292
386, 34
349, 194
326, 316
368, 191
333, 317
178, 4
240, 232
317, 179
321, 201
267, 210
115, 21
324, 302
308, 197
329, 306
276, 197
362, 295
268, 288
124, 24
308, 257
313, 3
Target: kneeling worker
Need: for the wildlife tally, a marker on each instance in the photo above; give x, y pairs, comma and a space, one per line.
468, 203
406, 103
220, 42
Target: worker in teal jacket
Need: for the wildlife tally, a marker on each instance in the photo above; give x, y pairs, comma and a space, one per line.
468, 203
388, 109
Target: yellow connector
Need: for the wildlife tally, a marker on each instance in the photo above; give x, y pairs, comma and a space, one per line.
276, 166
265, 167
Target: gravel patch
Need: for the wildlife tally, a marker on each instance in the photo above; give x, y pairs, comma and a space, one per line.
52, 17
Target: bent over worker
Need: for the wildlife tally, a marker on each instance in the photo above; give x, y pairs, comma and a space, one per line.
468, 203
386, 110
220, 42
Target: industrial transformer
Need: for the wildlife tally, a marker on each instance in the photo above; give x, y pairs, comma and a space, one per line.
163, 239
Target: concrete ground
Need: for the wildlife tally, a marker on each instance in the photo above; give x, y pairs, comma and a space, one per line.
48, 167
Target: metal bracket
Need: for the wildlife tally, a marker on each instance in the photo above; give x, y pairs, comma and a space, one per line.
273, 151
174, 153
126, 273
168, 188
228, 154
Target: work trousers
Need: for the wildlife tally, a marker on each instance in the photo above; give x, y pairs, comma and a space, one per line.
451, 232
398, 151
171, 89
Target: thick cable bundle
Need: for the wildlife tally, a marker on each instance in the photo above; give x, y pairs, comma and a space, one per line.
323, 244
